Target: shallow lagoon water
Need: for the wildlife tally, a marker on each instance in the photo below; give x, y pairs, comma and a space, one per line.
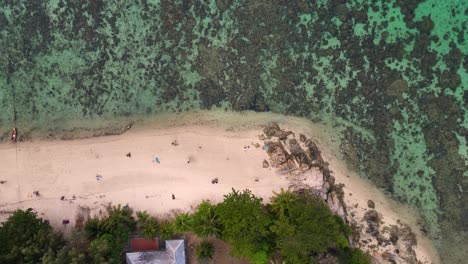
391, 76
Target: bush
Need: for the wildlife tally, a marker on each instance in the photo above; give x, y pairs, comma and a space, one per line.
359, 257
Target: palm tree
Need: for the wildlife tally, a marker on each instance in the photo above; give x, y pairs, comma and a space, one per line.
183, 222
142, 217
147, 225
282, 202
119, 219
166, 230
205, 250
93, 228
206, 222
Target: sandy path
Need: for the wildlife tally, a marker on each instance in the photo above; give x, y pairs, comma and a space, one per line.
215, 140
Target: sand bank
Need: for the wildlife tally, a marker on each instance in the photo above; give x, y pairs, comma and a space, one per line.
191, 150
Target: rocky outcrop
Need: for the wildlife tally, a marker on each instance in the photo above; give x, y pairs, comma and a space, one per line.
301, 161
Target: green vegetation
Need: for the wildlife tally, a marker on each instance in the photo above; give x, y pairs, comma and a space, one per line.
206, 221
245, 225
205, 250
25, 238
147, 225
306, 227
294, 228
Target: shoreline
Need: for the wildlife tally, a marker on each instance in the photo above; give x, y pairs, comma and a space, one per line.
222, 137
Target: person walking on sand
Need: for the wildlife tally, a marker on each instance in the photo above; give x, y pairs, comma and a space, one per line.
13, 135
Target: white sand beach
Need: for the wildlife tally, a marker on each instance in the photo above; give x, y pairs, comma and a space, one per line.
215, 143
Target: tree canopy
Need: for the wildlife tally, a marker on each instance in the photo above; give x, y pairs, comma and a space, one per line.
294, 227
26, 238
308, 228
245, 225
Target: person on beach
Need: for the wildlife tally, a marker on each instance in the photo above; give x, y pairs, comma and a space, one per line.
173, 197
13, 135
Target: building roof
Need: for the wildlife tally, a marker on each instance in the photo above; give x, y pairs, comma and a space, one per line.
144, 244
149, 257
176, 250
174, 254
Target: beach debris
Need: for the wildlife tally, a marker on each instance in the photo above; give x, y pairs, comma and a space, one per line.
265, 147
99, 177
65, 222
129, 154
36, 193
214, 181
265, 164
199, 147
256, 145
156, 160
246, 147
256, 179
2, 182
173, 197
189, 158
175, 143
371, 204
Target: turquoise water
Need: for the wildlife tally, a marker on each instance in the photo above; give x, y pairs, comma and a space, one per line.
391, 74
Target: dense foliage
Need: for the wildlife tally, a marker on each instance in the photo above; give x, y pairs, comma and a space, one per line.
305, 226
245, 225
294, 228
25, 238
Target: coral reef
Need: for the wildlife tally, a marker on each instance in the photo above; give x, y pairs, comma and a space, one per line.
391, 75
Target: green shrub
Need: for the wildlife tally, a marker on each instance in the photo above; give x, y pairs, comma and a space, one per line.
357, 256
